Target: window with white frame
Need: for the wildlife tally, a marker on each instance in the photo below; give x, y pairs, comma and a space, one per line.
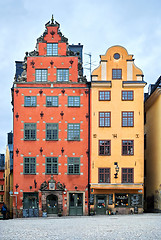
62, 75
52, 101
30, 101
73, 131
52, 49
41, 75
73, 101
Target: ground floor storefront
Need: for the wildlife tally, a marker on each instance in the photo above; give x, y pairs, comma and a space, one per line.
52, 199
116, 201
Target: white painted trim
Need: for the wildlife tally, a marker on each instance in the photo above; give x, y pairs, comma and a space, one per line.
103, 71
129, 70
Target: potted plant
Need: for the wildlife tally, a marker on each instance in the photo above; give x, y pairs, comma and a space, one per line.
92, 212
59, 213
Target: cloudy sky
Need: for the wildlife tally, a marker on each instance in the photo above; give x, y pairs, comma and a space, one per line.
97, 24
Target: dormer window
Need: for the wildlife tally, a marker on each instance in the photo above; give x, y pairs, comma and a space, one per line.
52, 49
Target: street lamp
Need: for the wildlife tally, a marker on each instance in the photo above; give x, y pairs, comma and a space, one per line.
116, 169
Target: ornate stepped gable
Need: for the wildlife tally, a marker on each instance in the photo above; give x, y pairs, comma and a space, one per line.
55, 35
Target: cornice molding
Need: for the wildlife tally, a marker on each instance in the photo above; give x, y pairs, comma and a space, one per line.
117, 186
135, 84
107, 84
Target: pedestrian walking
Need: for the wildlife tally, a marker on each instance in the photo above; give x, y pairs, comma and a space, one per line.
4, 211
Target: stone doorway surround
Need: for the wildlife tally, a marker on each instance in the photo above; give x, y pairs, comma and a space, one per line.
57, 193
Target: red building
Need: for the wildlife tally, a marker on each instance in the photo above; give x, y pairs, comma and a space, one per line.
50, 116
2, 179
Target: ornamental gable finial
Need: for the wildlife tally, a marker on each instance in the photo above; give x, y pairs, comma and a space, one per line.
52, 19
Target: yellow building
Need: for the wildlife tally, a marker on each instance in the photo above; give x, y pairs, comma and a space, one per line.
9, 174
117, 134
152, 148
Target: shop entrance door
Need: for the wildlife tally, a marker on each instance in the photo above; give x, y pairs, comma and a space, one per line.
76, 204
52, 204
30, 205
101, 205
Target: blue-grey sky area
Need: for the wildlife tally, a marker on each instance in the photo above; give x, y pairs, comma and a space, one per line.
97, 25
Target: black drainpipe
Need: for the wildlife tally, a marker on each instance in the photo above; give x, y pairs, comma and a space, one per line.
89, 137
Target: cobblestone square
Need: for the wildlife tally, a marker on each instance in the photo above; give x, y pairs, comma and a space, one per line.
143, 226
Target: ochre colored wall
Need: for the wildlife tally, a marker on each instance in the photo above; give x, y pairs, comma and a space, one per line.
153, 149
116, 106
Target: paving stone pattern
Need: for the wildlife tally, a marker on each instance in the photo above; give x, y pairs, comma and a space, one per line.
143, 226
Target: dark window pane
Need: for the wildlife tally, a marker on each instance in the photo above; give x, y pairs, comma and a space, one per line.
73, 165
104, 175
116, 73
29, 165
52, 165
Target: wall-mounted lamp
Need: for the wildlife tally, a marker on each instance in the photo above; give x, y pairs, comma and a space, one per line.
35, 183
116, 169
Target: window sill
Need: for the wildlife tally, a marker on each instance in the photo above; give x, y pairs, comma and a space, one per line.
73, 173
74, 106
104, 182
29, 173
41, 81
51, 139
128, 182
51, 173
30, 139
104, 126
104, 154
127, 154
52, 106
71, 140
127, 126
